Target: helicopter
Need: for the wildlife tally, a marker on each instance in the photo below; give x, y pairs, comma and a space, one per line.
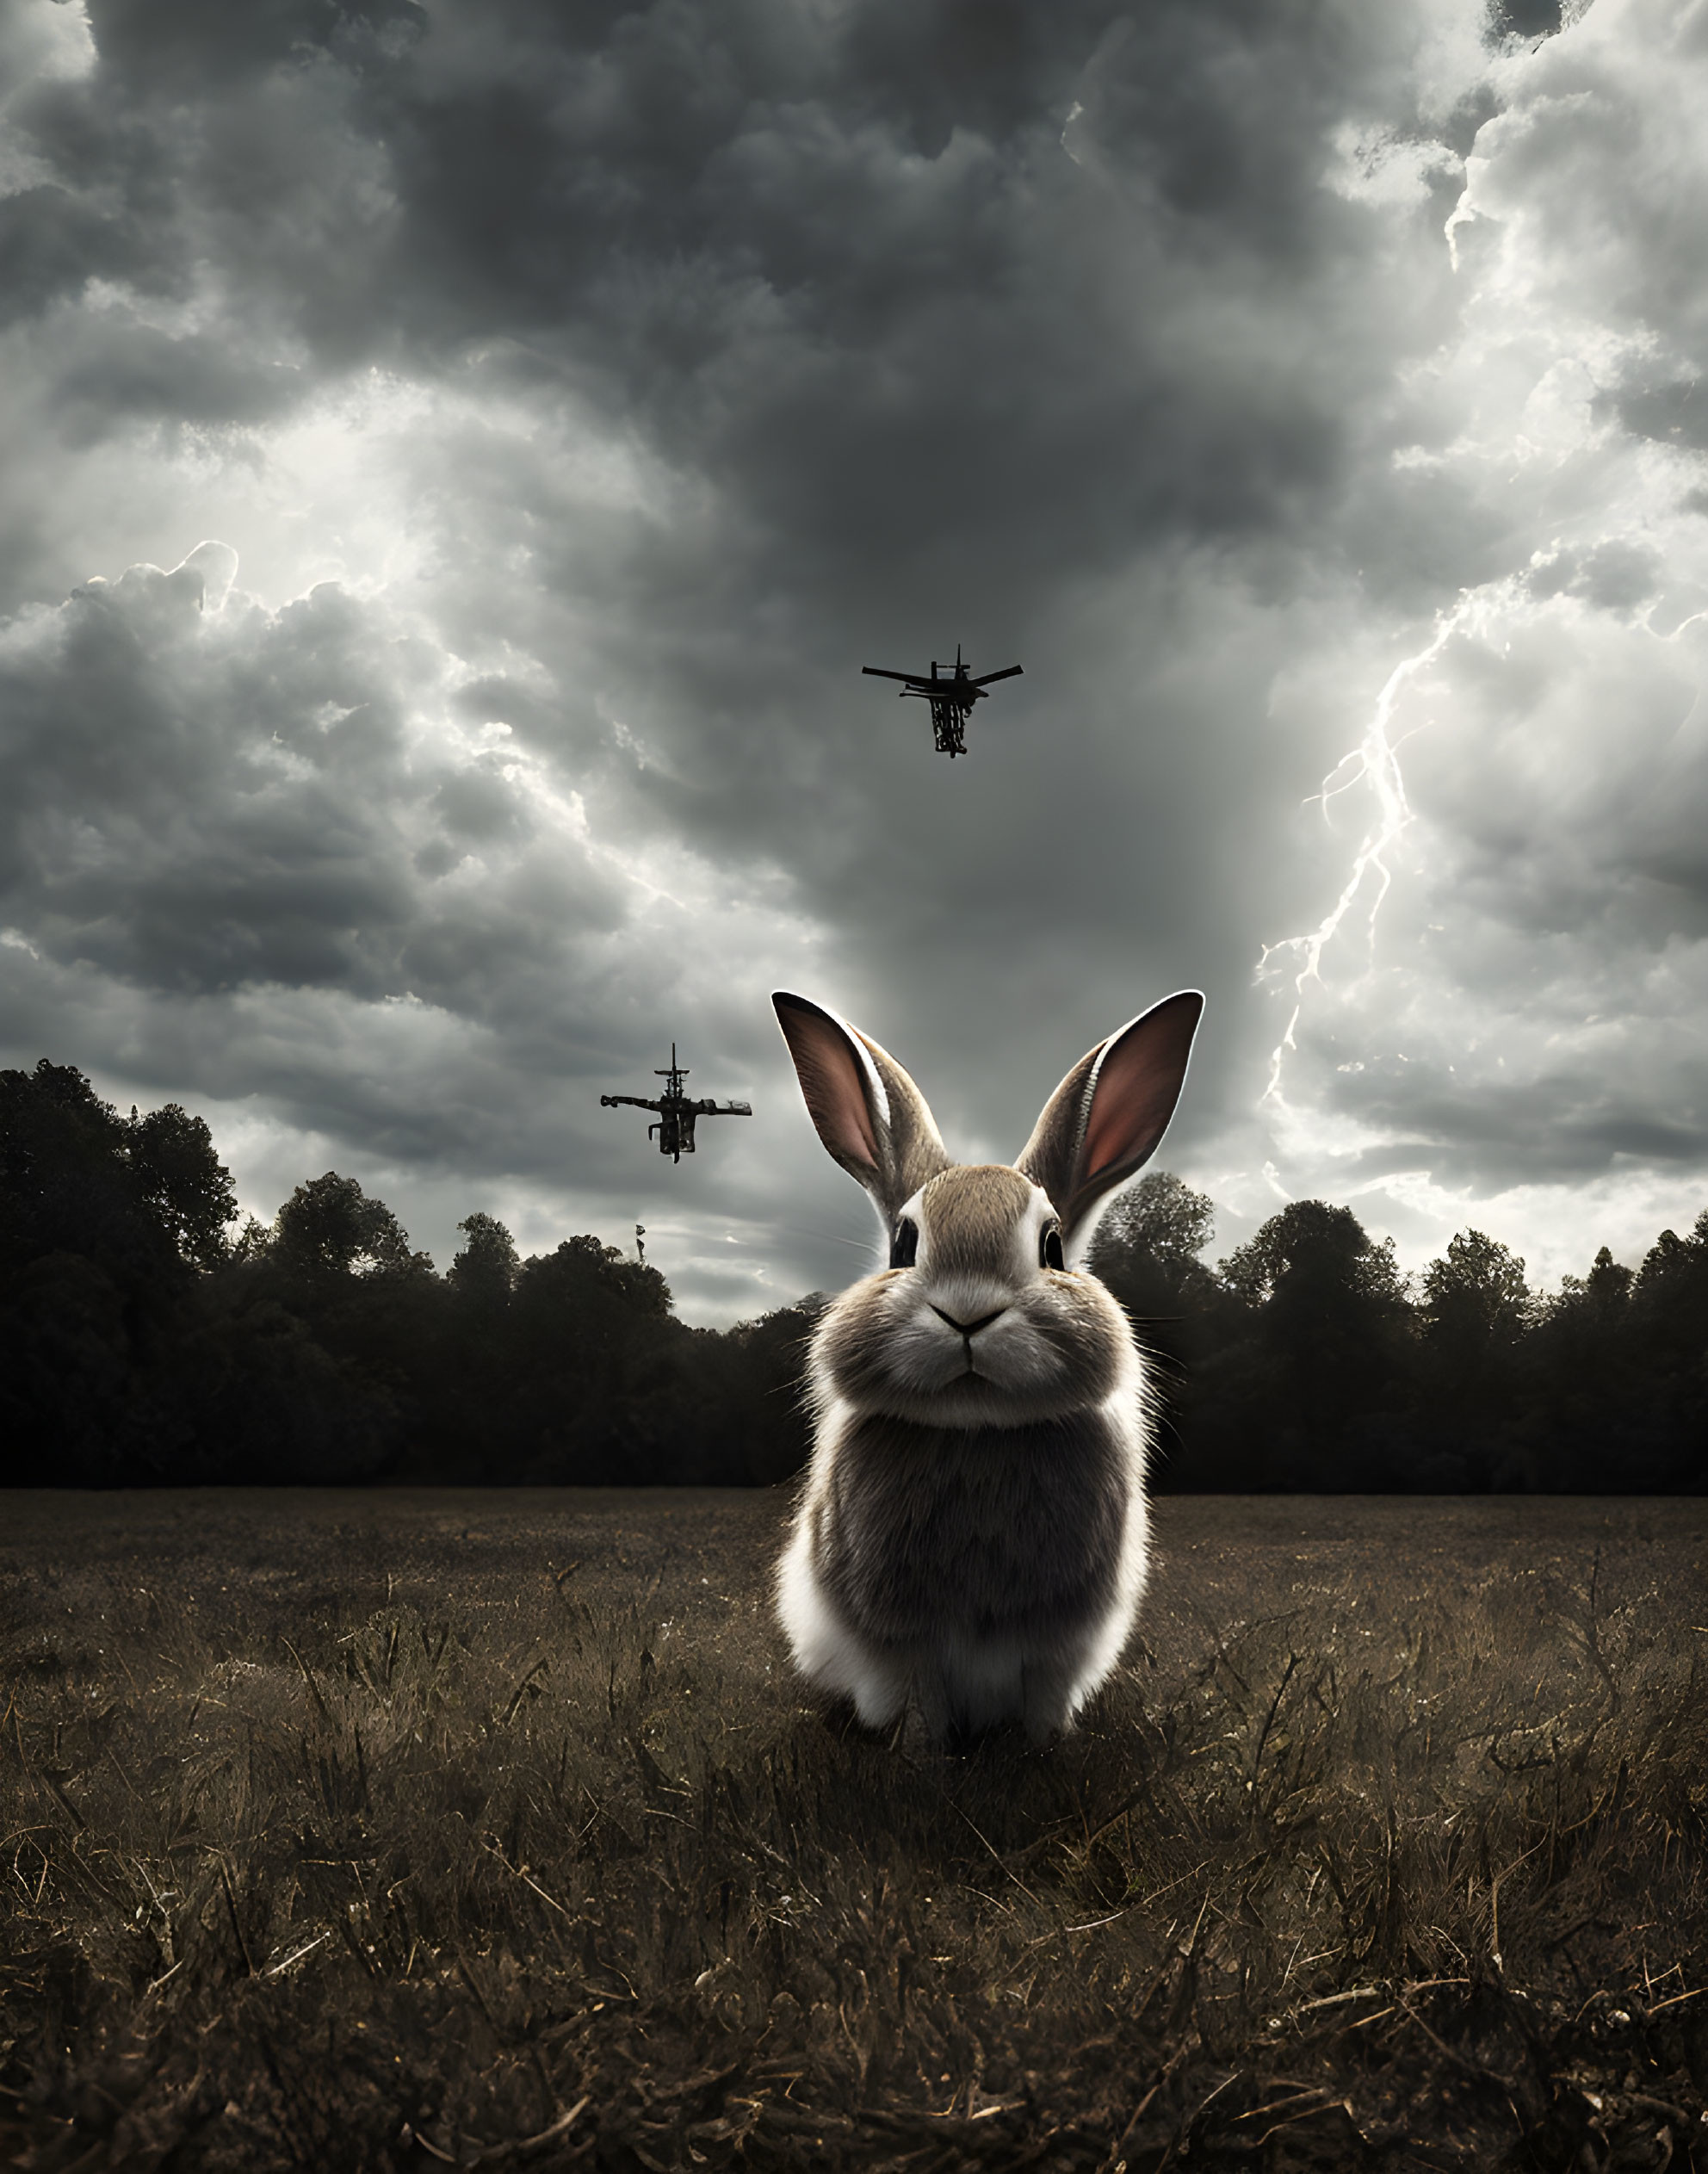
950, 696
677, 1111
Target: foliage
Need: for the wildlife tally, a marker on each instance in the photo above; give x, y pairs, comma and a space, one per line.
562, 1872
487, 1268
1159, 1221
1147, 1250
143, 1346
181, 1181
1324, 1335
1306, 1362
330, 1227
1476, 1295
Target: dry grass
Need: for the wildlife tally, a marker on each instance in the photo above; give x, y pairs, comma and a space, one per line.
570, 1885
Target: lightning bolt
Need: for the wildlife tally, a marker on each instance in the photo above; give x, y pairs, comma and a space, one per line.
1375, 762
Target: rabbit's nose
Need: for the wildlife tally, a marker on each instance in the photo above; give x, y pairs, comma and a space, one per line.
969, 1328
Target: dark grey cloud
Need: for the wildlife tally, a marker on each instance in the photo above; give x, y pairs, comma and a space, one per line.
204, 809
1550, 1129
589, 391
52, 242
738, 224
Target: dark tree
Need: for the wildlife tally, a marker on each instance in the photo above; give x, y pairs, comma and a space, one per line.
1608, 1287
92, 1289
1475, 1298
1670, 1290
468, 1382
1148, 1245
1146, 1250
1162, 1219
67, 1182
485, 1270
1475, 1314
313, 1344
181, 1180
1668, 1313
597, 1347
330, 1227
1324, 1362
743, 1417
1476, 1307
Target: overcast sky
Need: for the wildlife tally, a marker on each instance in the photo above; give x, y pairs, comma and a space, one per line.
457, 458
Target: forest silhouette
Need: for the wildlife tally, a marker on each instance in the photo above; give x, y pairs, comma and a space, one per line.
148, 1343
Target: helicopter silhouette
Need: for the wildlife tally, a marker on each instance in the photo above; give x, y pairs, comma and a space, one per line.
677, 1111
951, 698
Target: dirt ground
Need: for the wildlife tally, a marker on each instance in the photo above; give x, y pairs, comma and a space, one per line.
698, 1560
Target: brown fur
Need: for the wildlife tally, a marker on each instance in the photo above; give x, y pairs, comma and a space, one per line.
1012, 1532
970, 1213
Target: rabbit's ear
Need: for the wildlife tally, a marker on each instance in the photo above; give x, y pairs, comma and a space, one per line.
868, 1113
1107, 1117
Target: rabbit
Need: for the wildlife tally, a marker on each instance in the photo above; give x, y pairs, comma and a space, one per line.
972, 1531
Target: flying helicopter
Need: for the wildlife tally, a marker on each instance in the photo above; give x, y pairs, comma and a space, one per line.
951, 696
677, 1111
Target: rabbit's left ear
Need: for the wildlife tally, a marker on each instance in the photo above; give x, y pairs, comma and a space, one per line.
1108, 1117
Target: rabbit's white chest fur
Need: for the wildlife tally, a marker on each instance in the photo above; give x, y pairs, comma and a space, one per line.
992, 1573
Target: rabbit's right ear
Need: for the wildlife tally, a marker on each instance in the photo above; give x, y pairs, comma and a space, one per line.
868, 1113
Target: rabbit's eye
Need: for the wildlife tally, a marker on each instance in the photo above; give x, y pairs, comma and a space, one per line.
1049, 1246
904, 1247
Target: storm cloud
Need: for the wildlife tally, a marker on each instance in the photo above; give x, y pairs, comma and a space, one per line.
578, 397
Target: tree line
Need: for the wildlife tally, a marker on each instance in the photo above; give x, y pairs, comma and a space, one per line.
1306, 1361
145, 1342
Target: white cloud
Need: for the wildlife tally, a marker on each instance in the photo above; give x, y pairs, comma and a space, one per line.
1528, 997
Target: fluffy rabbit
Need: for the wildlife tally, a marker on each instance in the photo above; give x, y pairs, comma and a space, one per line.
972, 1530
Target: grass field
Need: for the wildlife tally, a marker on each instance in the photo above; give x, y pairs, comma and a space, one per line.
402, 1830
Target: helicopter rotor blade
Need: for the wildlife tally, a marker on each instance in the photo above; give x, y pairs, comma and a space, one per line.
1010, 671
877, 672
